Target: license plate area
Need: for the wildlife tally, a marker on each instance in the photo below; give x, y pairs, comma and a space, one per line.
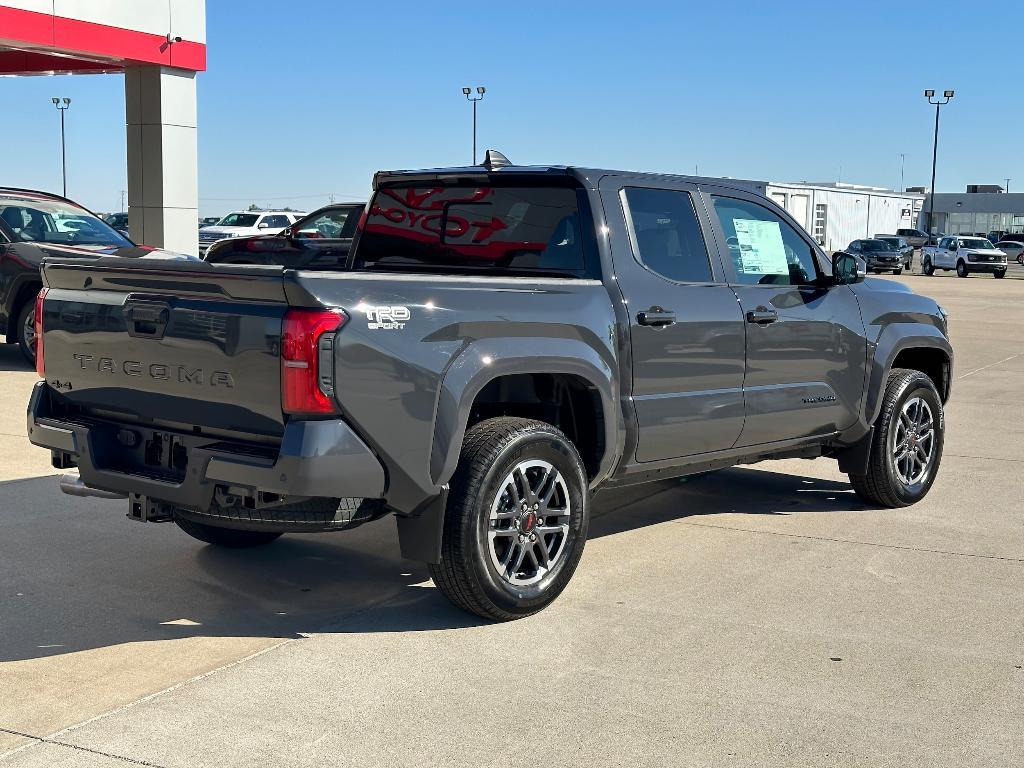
150, 453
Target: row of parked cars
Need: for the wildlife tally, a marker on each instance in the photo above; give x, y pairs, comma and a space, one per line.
34, 225
963, 253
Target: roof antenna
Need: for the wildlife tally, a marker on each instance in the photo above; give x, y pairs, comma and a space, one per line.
494, 159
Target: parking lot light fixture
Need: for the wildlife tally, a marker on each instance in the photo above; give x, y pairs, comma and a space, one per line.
62, 105
468, 93
939, 103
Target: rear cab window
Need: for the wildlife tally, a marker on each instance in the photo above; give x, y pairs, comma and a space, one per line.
483, 229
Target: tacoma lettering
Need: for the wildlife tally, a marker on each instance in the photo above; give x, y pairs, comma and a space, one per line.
157, 371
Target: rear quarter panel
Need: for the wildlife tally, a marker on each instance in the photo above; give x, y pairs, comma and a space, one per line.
417, 349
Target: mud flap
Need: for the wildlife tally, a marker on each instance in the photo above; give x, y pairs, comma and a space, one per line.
419, 535
854, 460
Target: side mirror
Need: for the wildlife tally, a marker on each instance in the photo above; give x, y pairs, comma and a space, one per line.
263, 225
954, 247
847, 268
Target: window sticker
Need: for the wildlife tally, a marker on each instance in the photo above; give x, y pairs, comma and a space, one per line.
761, 249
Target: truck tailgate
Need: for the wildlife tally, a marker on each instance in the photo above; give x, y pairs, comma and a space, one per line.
180, 342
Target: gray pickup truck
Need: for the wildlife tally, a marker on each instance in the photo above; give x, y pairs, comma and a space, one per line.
502, 342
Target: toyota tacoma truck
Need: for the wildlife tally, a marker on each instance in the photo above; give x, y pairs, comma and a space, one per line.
502, 342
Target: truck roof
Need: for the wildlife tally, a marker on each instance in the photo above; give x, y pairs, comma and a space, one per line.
588, 177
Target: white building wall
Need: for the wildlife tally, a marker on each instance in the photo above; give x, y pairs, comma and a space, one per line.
851, 213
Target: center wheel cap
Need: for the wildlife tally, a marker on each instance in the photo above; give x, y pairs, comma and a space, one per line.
528, 522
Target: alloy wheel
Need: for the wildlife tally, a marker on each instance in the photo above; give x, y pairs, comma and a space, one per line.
913, 448
528, 527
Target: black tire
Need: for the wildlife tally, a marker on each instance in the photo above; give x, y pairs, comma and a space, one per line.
898, 271
999, 274
231, 538
927, 267
27, 346
961, 269
881, 485
467, 573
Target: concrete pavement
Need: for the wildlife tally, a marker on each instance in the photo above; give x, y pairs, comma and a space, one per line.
758, 616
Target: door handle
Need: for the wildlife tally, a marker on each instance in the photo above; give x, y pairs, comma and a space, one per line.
762, 316
657, 317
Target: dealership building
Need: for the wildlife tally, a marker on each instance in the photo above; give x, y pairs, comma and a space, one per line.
158, 46
976, 212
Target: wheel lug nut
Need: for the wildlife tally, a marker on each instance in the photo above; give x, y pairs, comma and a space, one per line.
540, 521
533, 537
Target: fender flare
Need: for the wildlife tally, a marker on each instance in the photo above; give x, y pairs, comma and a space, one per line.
894, 339
482, 361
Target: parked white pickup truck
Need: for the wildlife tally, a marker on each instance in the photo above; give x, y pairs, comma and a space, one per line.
246, 223
965, 255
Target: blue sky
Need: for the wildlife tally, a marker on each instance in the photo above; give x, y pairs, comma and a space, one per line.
307, 99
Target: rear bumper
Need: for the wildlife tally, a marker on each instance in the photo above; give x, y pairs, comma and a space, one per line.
318, 459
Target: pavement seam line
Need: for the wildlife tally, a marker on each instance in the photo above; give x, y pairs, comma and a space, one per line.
53, 737
854, 541
990, 365
44, 740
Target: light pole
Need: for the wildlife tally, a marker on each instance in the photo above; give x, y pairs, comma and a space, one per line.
62, 106
1007, 187
946, 96
903, 162
468, 93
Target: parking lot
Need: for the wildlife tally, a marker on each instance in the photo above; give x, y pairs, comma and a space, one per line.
756, 616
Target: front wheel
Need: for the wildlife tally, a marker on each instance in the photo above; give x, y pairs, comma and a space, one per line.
961, 269
898, 271
231, 538
516, 521
907, 443
999, 274
927, 268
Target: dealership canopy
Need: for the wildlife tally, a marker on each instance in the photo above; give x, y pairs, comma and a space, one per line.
159, 46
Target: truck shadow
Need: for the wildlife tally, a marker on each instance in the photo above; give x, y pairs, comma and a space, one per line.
75, 575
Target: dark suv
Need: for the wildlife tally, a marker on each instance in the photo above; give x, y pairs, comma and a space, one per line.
879, 255
33, 225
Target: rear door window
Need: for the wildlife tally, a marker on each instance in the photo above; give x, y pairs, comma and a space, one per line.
666, 234
477, 229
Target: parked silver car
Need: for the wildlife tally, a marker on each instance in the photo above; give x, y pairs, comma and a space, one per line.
1014, 250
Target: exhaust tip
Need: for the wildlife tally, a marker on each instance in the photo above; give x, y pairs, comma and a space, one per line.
72, 485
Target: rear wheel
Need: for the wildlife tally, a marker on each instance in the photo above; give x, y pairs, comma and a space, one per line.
231, 538
516, 521
961, 269
26, 331
906, 447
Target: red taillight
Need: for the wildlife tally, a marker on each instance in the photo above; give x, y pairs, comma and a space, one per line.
40, 363
307, 335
